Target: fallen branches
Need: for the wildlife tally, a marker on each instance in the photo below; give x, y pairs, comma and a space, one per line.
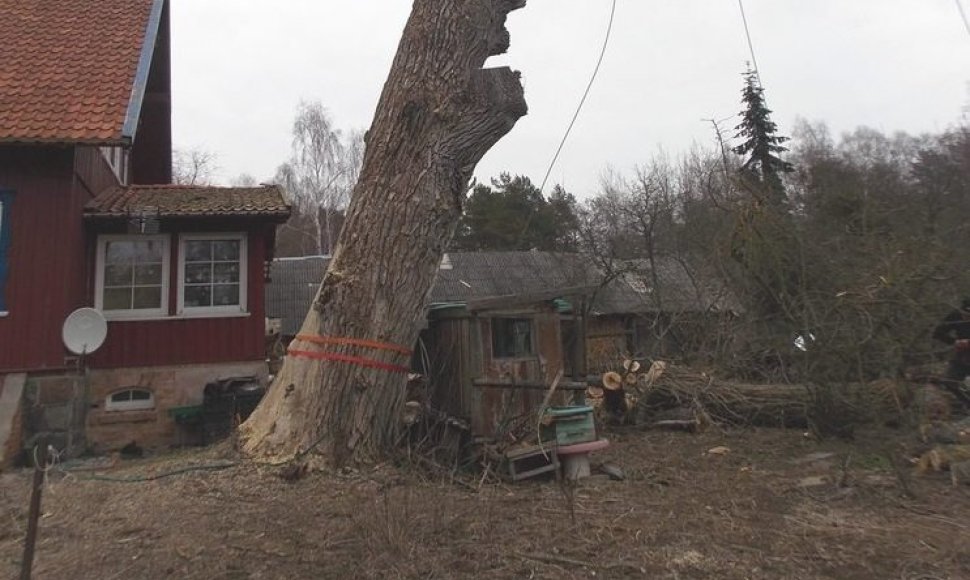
722, 401
703, 396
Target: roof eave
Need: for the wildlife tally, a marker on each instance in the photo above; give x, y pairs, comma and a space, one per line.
526, 298
110, 141
280, 216
141, 73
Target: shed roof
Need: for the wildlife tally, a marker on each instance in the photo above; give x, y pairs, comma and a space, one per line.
74, 70
469, 277
190, 201
466, 276
479, 275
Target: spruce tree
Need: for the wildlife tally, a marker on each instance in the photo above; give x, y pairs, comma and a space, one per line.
761, 145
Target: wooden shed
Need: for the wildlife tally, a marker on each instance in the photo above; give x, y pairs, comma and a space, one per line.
491, 361
500, 327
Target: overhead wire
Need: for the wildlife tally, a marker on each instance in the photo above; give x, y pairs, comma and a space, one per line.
747, 34
963, 16
579, 108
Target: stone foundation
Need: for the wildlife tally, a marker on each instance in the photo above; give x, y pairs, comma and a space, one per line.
51, 409
172, 387
104, 430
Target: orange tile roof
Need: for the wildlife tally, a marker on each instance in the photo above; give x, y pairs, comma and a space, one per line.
68, 67
190, 201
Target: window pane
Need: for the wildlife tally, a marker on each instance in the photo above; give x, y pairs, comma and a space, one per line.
121, 397
225, 250
119, 252
198, 251
148, 251
148, 274
198, 273
511, 337
198, 296
133, 273
140, 395
148, 297
117, 298
224, 273
225, 295
523, 337
212, 275
117, 275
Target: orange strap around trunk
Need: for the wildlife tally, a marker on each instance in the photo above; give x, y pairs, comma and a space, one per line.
360, 361
354, 342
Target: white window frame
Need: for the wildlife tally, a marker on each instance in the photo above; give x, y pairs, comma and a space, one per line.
130, 405
214, 311
161, 311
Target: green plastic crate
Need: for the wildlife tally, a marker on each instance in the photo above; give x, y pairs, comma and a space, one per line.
570, 425
190, 414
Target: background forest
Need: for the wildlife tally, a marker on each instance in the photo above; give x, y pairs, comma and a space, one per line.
840, 253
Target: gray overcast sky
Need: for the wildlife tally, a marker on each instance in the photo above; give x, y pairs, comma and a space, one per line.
241, 67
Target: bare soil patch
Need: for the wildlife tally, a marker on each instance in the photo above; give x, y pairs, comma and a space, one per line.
771, 508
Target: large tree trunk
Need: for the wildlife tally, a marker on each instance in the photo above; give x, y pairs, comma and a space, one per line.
439, 113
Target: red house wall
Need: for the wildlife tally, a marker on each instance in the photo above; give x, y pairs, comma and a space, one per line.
52, 261
176, 341
93, 174
46, 255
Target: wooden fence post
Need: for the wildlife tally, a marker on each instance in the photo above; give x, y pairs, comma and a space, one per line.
40, 463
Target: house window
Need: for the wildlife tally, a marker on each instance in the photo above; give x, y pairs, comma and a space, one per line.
132, 276
213, 274
511, 337
5, 200
130, 400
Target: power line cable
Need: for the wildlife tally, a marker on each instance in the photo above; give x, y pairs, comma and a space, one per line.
606, 41
963, 15
747, 34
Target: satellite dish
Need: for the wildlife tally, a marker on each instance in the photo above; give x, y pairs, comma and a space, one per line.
84, 331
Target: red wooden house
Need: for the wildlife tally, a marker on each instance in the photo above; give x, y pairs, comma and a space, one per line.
88, 218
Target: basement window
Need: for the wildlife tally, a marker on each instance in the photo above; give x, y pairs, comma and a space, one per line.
511, 337
130, 400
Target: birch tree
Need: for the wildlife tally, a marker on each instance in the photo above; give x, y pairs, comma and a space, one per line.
321, 172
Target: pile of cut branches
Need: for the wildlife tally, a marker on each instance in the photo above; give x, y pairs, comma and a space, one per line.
676, 389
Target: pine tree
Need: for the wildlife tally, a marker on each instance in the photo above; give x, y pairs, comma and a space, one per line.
512, 215
761, 144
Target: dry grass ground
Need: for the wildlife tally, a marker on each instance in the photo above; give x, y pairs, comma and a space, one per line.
681, 513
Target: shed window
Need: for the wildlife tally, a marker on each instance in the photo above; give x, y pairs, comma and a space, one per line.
511, 337
5, 200
130, 400
132, 278
213, 272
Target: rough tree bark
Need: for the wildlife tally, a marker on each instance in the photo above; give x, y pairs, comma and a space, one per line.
439, 113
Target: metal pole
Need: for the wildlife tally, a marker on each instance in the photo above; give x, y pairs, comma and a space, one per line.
40, 462
579, 349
